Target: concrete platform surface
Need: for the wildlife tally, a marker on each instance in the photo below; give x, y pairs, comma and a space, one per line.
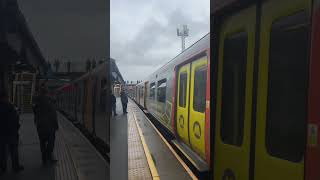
78, 160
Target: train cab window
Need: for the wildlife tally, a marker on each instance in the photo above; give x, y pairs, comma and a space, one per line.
183, 89
152, 90
162, 86
287, 88
233, 88
199, 96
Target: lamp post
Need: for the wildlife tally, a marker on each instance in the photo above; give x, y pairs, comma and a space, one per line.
183, 34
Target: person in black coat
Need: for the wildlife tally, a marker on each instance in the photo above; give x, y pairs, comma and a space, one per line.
113, 104
9, 134
46, 121
124, 101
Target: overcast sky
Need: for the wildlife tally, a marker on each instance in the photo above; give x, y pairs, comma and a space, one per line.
68, 29
143, 33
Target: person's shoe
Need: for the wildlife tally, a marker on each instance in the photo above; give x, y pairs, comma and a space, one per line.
18, 169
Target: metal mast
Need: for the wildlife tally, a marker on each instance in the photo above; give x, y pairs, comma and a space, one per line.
183, 34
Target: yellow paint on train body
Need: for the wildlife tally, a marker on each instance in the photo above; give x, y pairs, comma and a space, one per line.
183, 103
235, 158
197, 119
267, 166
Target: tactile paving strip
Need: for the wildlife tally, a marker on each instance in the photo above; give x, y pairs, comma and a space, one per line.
65, 169
138, 167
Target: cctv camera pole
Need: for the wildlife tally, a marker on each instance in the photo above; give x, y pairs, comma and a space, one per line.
183, 34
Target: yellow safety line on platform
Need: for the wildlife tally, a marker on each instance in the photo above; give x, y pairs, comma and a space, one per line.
194, 177
151, 164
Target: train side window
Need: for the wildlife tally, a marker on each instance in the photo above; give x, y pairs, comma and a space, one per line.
288, 88
233, 88
199, 96
161, 90
152, 90
183, 89
141, 92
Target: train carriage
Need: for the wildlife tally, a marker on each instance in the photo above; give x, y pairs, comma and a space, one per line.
265, 86
85, 101
178, 96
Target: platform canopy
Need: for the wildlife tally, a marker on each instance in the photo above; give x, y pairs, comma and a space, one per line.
17, 44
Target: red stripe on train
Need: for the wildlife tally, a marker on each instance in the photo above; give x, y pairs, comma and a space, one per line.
313, 148
207, 113
173, 108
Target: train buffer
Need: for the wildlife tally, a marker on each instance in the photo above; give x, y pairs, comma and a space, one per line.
77, 158
150, 156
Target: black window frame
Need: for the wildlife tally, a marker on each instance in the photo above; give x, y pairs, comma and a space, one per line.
199, 102
152, 94
183, 99
161, 91
282, 110
233, 113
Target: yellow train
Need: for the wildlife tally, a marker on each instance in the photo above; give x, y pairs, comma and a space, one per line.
178, 96
265, 92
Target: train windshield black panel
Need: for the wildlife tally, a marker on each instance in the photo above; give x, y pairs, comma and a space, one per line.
233, 88
199, 96
287, 88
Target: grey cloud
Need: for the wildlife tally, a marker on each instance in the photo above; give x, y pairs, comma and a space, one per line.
142, 49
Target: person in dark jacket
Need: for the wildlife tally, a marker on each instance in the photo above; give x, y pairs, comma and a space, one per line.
9, 134
113, 104
124, 101
45, 117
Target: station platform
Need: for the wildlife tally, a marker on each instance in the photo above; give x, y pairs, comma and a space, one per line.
77, 158
150, 156
119, 145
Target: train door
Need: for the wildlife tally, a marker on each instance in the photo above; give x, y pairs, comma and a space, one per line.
234, 96
145, 94
88, 105
191, 104
183, 103
197, 106
141, 96
263, 139
282, 92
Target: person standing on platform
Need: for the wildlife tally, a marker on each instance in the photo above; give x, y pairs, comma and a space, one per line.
124, 101
9, 134
46, 121
113, 104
